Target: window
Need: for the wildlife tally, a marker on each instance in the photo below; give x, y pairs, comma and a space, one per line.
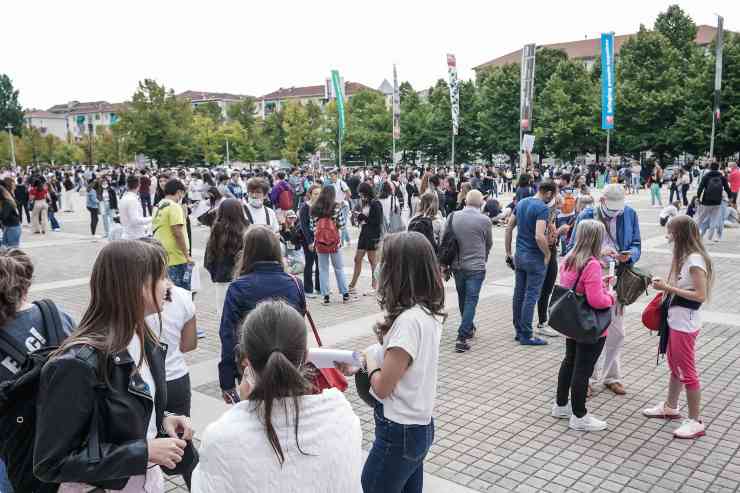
97, 116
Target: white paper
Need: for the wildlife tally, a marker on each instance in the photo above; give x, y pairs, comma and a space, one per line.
325, 357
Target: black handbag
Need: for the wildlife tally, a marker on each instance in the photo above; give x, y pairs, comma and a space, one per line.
571, 315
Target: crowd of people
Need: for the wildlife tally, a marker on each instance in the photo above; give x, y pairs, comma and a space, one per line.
274, 237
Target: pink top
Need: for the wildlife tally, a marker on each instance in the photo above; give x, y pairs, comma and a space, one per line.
591, 283
734, 179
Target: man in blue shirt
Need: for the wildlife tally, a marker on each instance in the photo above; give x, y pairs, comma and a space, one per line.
532, 257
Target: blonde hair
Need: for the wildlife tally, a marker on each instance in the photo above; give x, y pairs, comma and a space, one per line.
687, 241
589, 238
428, 205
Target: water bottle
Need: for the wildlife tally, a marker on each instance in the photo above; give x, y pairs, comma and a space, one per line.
187, 275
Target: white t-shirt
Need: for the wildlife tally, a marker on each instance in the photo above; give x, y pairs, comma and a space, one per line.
341, 189
174, 317
681, 318
412, 401
134, 350
259, 216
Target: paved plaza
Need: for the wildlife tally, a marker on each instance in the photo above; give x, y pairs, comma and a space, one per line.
493, 428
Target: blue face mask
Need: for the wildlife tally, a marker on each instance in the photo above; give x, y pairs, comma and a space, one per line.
610, 213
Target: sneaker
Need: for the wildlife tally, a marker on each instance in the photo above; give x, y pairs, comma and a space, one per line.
661, 411
561, 412
462, 346
546, 330
370, 292
312, 296
689, 429
200, 333
716, 240
586, 423
326, 301
532, 341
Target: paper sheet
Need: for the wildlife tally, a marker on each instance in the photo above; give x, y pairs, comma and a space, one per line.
325, 357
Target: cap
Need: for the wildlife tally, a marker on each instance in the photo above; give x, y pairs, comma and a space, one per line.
614, 196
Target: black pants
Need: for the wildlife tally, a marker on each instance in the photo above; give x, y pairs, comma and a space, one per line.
311, 271
178, 402
575, 370
685, 194
674, 190
93, 220
547, 286
23, 206
146, 203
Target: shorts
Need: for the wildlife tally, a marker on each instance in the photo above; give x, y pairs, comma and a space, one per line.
681, 358
367, 244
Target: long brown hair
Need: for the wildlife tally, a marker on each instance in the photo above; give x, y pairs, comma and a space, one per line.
409, 275
227, 233
273, 340
687, 241
589, 238
6, 194
261, 244
116, 312
16, 273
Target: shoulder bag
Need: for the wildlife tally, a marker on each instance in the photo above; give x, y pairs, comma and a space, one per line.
571, 315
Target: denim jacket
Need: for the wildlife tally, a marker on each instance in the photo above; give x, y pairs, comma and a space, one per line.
267, 281
628, 232
92, 199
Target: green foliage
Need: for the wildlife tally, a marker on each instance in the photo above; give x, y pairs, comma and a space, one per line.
415, 116
679, 28
498, 116
243, 112
297, 131
369, 127
68, 153
207, 144
158, 125
728, 130
211, 110
10, 110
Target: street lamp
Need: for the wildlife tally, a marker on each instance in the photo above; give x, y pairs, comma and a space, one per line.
9, 127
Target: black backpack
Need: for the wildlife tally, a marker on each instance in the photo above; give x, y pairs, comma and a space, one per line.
449, 249
18, 403
713, 192
424, 225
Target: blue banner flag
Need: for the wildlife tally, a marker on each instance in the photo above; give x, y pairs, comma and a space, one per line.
607, 81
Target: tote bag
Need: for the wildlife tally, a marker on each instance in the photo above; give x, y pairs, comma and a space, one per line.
571, 315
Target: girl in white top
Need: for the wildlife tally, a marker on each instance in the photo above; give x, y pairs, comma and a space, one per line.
689, 282
281, 437
403, 370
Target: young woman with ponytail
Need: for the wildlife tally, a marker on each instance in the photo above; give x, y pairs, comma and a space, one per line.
281, 436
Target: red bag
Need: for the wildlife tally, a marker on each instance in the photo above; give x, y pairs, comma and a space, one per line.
325, 378
652, 315
285, 200
327, 236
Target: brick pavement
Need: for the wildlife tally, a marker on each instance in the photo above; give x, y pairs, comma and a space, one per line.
493, 430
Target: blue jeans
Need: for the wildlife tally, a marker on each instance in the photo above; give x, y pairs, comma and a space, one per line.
107, 214
11, 239
395, 463
176, 274
468, 284
336, 262
53, 220
530, 275
5, 486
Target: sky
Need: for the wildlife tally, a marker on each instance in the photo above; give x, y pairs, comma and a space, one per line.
57, 51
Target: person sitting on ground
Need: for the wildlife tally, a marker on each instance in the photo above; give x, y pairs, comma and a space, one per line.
669, 212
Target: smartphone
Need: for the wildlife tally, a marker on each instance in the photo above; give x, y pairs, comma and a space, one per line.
625, 252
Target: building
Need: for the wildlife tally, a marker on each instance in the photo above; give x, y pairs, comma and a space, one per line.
319, 95
47, 123
223, 100
387, 89
588, 50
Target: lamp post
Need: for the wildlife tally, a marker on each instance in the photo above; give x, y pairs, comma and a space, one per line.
9, 127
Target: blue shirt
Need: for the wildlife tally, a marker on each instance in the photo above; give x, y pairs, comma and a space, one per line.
528, 211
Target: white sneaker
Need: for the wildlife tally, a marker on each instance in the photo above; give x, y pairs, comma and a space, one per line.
546, 330
661, 411
689, 429
561, 412
586, 423
312, 295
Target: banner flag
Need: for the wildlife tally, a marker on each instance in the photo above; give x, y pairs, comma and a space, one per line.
396, 106
718, 66
527, 87
454, 92
339, 96
607, 81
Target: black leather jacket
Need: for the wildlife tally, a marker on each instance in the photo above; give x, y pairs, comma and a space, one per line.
70, 386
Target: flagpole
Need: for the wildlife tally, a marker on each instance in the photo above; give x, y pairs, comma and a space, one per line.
711, 140
453, 150
608, 134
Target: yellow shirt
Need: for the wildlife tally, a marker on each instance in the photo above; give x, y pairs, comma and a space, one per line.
170, 214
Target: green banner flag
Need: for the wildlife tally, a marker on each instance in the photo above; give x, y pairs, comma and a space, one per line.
339, 96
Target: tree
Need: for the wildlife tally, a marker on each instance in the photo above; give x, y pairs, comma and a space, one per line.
273, 136
547, 61
414, 121
679, 28
10, 110
650, 95
438, 141
727, 140
68, 153
297, 130
211, 110
499, 112
243, 112
109, 145
207, 143
569, 115
370, 129
241, 144
158, 124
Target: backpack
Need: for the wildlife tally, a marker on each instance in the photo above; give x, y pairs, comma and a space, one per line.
424, 225
632, 283
569, 203
285, 200
18, 403
449, 249
250, 219
326, 238
713, 191
395, 222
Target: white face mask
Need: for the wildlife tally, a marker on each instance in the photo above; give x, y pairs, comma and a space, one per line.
255, 202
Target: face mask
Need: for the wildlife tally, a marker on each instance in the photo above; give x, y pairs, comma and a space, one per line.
255, 202
610, 213
105, 185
